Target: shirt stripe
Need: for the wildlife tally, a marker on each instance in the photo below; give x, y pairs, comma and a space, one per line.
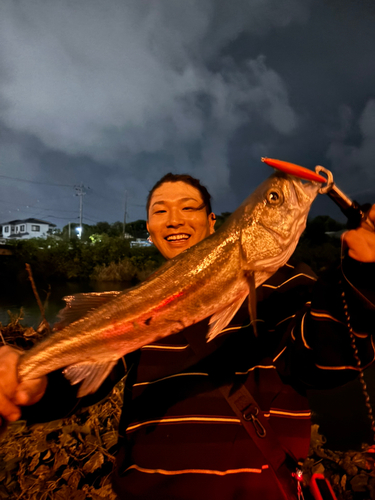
174, 420
265, 367
285, 319
194, 374
167, 347
317, 314
198, 471
274, 287
280, 353
296, 414
303, 333
164, 347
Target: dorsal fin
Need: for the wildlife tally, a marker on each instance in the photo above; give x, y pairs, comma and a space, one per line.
79, 305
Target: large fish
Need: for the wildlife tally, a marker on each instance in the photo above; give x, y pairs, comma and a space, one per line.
210, 279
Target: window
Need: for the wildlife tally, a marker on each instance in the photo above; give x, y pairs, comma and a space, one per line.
6, 229
35, 228
22, 228
12, 229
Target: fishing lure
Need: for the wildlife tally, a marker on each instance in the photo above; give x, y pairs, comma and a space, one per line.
355, 212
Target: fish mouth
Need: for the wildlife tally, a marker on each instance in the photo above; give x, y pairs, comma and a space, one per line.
306, 192
177, 237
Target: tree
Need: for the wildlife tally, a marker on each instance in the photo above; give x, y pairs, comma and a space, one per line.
138, 228
220, 219
102, 228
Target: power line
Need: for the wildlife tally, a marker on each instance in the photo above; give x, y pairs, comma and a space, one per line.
35, 182
39, 208
91, 220
99, 195
61, 218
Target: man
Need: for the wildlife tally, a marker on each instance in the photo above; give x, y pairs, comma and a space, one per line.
179, 435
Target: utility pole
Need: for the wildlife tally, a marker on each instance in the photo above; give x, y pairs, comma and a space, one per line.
126, 202
81, 193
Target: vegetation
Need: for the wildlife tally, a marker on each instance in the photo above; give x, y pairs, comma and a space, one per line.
53, 259
105, 255
136, 229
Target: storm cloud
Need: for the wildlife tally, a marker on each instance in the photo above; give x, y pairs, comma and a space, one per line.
115, 94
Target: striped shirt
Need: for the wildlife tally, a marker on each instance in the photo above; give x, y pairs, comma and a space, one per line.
180, 437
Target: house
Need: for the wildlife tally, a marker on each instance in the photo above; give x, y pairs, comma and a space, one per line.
26, 229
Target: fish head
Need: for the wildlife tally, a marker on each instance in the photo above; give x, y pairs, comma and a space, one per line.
285, 205
275, 219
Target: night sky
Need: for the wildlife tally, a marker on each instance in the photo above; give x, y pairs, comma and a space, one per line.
114, 94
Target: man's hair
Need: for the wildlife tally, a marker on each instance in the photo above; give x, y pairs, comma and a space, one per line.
188, 179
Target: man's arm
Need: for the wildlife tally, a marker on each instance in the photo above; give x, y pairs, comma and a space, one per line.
320, 352
47, 398
360, 242
14, 394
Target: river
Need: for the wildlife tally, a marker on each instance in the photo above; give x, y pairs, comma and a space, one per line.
14, 296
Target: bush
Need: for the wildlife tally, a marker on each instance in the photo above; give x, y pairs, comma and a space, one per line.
121, 271
102, 258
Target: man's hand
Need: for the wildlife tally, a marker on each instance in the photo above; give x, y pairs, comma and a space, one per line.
13, 393
360, 242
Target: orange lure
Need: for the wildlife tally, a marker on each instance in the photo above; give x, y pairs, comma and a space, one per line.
296, 170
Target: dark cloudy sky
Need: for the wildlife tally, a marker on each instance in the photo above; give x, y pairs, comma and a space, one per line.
115, 93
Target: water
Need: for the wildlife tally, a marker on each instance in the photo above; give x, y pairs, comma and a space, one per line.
14, 296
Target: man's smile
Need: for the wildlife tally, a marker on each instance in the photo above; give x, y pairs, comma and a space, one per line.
177, 237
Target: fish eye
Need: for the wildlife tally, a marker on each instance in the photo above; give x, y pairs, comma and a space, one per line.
274, 197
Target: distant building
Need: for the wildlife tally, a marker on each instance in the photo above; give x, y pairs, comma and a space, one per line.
139, 242
26, 229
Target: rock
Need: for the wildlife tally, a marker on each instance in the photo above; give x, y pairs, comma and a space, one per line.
360, 461
343, 481
318, 468
335, 479
348, 466
359, 482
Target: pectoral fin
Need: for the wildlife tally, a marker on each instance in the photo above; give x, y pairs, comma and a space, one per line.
252, 300
93, 376
221, 319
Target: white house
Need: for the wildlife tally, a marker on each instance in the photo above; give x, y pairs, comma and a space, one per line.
26, 229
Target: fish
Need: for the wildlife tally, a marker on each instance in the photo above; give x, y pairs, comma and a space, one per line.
211, 279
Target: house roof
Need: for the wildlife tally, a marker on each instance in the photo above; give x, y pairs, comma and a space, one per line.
24, 221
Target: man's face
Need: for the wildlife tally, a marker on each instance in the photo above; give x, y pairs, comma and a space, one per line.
177, 219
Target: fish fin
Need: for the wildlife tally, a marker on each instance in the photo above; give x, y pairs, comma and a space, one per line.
79, 305
92, 375
220, 319
252, 300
